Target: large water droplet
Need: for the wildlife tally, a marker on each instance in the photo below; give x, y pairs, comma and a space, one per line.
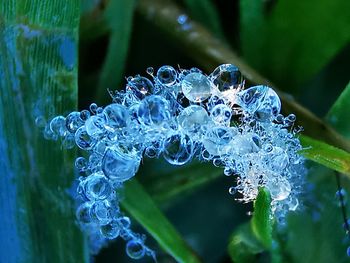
119, 166
95, 126
153, 110
73, 121
97, 187
58, 126
140, 86
193, 120
167, 75
83, 139
196, 87
117, 116
178, 149
226, 76
261, 101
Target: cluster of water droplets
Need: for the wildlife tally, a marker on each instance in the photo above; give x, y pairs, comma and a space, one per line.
180, 115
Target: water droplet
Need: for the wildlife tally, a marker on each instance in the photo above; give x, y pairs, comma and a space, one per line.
58, 125
167, 75
83, 140
95, 126
226, 76
261, 101
81, 163
140, 87
73, 121
68, 141
119, 166
117, 117
221, 114
150, 71
135, 249
232, 190
83, 213
100, 212
97, 187
153, 110
111, 230
193, 120
84, 115
196, 87
217, 141
93, 108
178, 149
279, 188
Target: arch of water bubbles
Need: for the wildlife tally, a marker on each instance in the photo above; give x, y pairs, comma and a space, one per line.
180, 115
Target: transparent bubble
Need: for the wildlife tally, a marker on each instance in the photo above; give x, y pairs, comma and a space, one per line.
261, 101
178, 149
84, 115
217, 141
153, 110
111, 230
73, 121
140, 86
83, 140
232, 190
83, 213
193, 120
100, 212
48, 134
58, 125
124, 221
135, 249
81, 164
278, 159
117, 116
93, 108
226, 76
119, 166
167, 75
245, 144
68, 141
279, 188
95, 126
221, 114
97, 187
150, 71
196, 87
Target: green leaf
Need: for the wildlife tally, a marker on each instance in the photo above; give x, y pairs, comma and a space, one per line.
38, 78
204, 11
119, 15
325, 154
255, 237
141, 207
338, 115
261, 221
296, 39
244, 246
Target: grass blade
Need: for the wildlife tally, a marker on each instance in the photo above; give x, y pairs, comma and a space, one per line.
141, 207
325, 154
261, 221
338, 115
38, 75
119, 16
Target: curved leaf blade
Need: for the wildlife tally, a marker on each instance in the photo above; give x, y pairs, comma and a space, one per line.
325, 154
141, 206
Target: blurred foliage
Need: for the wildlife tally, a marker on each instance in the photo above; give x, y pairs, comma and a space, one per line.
301, 46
